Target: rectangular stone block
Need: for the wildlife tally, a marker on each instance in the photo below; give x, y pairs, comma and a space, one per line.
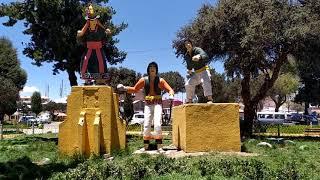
93, 125
206, 127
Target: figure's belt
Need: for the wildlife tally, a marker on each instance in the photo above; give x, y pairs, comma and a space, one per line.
151, 98
202, 69
94, 44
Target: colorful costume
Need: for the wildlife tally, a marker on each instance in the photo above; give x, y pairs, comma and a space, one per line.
93, 64
201, 73
153, 104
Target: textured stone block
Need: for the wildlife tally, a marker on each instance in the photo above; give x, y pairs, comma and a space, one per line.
93, 125
206, 127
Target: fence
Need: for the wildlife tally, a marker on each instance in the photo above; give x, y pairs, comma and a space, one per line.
259, 129
286, 130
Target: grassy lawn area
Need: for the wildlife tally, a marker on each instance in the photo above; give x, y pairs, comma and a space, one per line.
23, 158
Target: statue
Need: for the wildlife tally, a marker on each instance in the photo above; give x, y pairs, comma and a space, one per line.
93, 63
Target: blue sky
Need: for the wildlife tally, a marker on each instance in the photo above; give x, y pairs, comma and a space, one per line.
152, 27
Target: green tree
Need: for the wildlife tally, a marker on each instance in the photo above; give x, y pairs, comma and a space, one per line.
308, 57
122, 75
175, 80
53, 106
309, 73
284, 86
23, 107
224, 89
252, 38
12, 78
53, 26
36, 105
9, 94
127, 77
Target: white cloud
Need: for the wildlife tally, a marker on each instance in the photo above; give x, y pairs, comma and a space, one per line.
29, 89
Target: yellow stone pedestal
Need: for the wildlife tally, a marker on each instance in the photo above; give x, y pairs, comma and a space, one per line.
206, 127
93, 125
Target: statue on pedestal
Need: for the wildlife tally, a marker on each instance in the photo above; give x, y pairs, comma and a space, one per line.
93, 63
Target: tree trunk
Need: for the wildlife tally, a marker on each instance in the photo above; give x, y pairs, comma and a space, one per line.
72, 78
1, 125
277, 107
249, 111
250, 102
249, 115
306, 107
278, 101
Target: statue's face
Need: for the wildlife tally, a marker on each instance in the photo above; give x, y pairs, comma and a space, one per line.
152, 70
91, 11
188, 46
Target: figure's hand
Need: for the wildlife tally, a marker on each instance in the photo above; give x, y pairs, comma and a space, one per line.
121, 88
108, 31
196, 58
171, 97
78, 33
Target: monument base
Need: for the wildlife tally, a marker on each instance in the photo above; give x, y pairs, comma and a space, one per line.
93, 125
206, 127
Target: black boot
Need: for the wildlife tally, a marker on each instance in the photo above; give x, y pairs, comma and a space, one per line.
159, 144
146, 144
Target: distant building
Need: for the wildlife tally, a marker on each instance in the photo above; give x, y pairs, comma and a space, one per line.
27, 99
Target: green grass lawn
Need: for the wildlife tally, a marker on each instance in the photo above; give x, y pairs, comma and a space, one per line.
21, 159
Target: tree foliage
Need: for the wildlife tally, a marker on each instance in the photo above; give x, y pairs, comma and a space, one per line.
36, 105
12, 78
128, 77
122, 75
53, 26
284, 86
9, 94
175, 80
224, 89
252, 38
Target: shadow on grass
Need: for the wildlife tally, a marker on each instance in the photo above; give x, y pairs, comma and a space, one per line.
24, 168
30, 139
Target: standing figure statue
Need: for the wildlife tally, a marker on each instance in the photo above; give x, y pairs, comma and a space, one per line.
93, 64
153, 85
197, 60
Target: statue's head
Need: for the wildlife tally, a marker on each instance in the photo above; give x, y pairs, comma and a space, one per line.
152, 68
90, 12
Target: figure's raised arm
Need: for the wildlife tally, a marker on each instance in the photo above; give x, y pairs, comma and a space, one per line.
83, 30
107, 30
139, 85
165, 86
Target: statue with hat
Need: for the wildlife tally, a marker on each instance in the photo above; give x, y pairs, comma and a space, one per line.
93, 63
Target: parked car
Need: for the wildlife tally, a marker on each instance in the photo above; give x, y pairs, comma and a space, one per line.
27, 120
293, 119
271, 117
138, 118
310, 119
44, 118
304, 119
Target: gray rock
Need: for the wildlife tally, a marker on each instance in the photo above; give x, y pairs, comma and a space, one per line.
289, 142
44, 161
106, 156
303, 147
264, 144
